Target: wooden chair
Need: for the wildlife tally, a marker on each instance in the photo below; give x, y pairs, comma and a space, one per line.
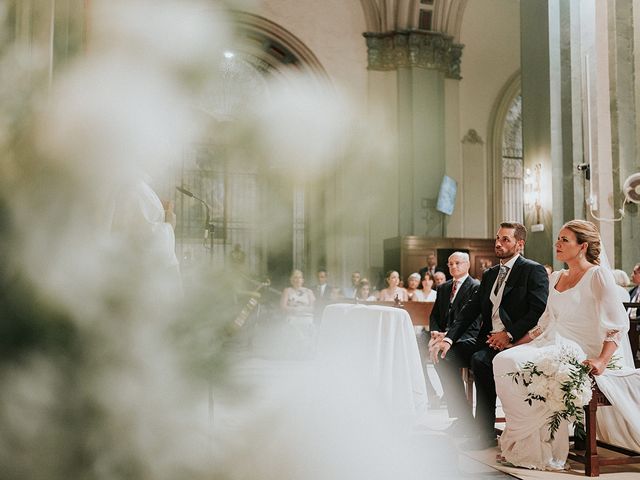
591, 460
467, 378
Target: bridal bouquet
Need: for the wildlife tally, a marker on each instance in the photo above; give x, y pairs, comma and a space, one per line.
558, 378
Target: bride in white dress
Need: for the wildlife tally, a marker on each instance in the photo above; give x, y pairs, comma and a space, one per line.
583, 309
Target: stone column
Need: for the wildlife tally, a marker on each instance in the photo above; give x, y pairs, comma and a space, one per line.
57, 27
420, 62
536, 117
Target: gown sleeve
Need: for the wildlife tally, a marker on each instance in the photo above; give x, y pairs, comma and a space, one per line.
613, 318
545, 319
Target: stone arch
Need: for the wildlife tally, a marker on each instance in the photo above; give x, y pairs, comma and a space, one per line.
447, 17
276, 47
239, 189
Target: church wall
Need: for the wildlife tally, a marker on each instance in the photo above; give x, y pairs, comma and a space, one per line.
491, 34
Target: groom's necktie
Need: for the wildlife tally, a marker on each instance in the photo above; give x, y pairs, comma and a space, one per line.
501, 276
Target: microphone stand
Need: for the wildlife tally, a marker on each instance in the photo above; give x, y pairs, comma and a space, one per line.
208, 224
208, 233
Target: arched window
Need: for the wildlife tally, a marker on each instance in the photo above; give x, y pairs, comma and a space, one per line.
512, 164
258, 213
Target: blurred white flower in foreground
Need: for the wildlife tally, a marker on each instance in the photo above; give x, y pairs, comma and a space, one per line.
304, 129
95, 337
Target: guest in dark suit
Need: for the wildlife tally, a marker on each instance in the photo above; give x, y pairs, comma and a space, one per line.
452, 296
510, 300
431, 267
634, 314
322, 291
634, 293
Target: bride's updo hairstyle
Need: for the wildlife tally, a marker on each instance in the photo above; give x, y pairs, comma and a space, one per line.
586, 232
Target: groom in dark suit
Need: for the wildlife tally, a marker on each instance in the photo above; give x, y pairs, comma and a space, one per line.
452, 296
510, 300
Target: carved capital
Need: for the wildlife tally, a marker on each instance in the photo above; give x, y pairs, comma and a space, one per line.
414, 48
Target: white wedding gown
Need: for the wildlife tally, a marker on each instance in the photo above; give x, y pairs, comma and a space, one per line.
584, 314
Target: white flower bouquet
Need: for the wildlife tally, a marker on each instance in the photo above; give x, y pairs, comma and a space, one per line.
558, 378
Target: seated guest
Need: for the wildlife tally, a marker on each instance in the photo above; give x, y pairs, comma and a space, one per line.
427, 294
393, 290
438, 279
336, 294
297, 337
297, 302
322, 289
413, 294
363, 292
322, 292
428, 290
633, 313
350, 291
622, 282
431, 267
452, 296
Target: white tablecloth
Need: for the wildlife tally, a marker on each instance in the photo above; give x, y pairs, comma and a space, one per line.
377, 343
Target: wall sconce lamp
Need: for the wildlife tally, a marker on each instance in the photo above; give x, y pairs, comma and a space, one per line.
532, 195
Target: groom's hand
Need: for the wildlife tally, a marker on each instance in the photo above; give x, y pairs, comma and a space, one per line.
498, 340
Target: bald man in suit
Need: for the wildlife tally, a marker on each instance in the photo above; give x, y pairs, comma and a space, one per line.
452, 296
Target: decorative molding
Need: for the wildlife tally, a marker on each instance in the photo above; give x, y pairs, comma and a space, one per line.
472, 137
512, 168
412, 48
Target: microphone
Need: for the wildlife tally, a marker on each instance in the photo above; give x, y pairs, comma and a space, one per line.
186, 192
208, 225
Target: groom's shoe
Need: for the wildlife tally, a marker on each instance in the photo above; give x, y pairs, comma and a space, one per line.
480, 442
580, 444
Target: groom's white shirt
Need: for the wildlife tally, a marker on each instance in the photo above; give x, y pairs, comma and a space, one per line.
496, 298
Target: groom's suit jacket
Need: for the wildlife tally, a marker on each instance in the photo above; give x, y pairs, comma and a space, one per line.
444, 312
523, 300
